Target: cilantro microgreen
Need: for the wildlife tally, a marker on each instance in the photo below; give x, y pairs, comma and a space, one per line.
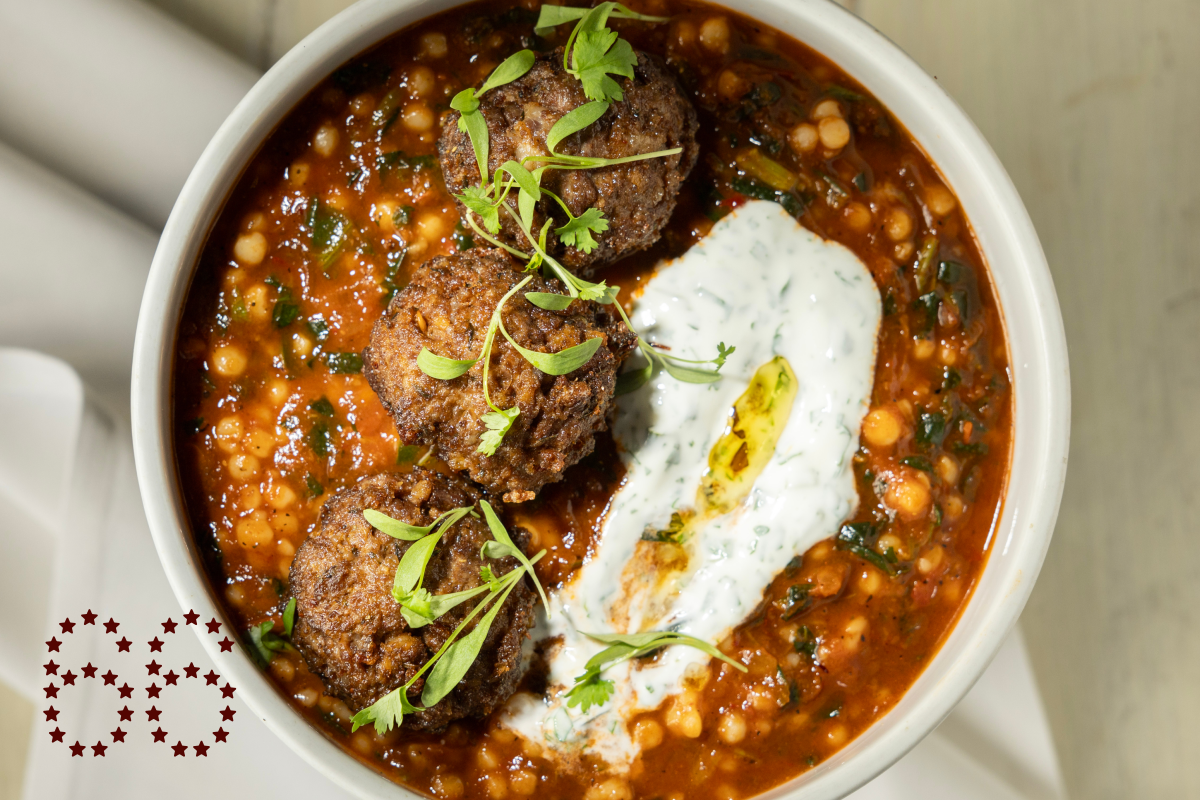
289, 617
578, 232
442, 368
553, 16
497, 423
575, 121
549, 300
466, 103
264, 643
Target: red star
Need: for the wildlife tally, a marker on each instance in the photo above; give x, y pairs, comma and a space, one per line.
227, 714
89, 671
180, 748
155, 645
77, 749
169, 626
67, 626
98, 750
152, 690
110, 678
89, 618
51, 691
191, 670
57, 735
171, 678
220, 734
126, 714
53, 645
68, 678
153, 714
51, 668
153, 667
191, 617
212, 625
111, 626
202, 750
210, 678
226, 645
159, 735
227, 691
126, 691
51, 714
123, 645
118, 735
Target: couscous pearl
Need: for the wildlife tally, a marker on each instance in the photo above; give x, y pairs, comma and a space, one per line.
229, 361
325, 140
834, 133
714, 35
417, 117
803, 138
433, 45
250, 249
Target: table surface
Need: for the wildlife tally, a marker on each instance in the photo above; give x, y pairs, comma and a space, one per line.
1087, 104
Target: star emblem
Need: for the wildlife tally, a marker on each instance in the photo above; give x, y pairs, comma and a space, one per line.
77, 749
57, 735
153, 667
51, 714
126, 691
210, 678
159, 735
212, 625
98, 750
110, 678
227, 714
226, 645
51, 668
171, 678
67, 626
191, 618
89, 618
180, 748
169, 626
53, 645
155, 645
202, 750
68, 678
153, 690
111, 626
227, 691
118, 735
153, 714
126, 714
191, 670
89, 671
220, 734
51, 691
123, 645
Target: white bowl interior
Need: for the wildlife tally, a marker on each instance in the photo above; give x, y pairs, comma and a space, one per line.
1019, 274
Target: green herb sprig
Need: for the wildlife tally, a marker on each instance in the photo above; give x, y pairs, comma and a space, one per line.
456, 655
590, 689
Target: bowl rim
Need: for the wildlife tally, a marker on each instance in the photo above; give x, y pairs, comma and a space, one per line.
1017, 267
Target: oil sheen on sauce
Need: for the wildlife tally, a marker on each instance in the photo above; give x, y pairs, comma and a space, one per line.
772, 288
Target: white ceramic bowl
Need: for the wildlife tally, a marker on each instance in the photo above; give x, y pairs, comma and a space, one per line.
1010, 245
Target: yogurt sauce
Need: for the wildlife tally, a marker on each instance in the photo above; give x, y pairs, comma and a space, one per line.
761, 282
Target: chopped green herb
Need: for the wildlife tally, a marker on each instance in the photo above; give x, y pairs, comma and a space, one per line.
970, 448
318, 328
329, 231
842, 93
798, 600
917, 462
927, 307
194, 426
889, 303
403, 215
931, 428
924, 274
673, 533
264, 643
950, 378
407, 453
344, 363
855, 537
322, 406
950, 271
289, 617
320, 439
313, 486
805, 642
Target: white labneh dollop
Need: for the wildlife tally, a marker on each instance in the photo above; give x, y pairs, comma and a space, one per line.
761, 282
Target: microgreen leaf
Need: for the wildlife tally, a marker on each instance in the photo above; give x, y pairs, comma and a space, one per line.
423, 608
593, 691
472, 123
459, 657
528, 181
497, 423
411, 570
479, 200
633, 379
553, 16
500, 534
387, 712
597, 55
549, 300
575, 121
442, 368
509, 70
289, 616
394, 527
653, 640
578, 232
264, 642
560, 363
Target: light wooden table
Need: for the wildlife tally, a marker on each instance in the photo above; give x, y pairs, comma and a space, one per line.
1092, 107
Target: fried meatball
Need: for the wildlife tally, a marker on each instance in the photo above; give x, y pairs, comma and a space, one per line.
348, 626
637, 198
446, 308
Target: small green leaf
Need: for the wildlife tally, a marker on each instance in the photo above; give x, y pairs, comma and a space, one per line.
559, 363
575, 121
549, 300
313, 486
593, 692
394, 527
289, 616
444, 369
320, 439
500, 534
528, 181
917, 462
509, 70
424, 608
553, 16
480, 202
344, 363
322, 406
407, 453
497, 423
599, 54
578, 232
459, 657
633, 379
387, 712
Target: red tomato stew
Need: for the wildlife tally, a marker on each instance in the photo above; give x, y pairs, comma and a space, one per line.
342, 236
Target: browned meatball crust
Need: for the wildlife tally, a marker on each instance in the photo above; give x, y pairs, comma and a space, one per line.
637, 198
349, 627
447, 308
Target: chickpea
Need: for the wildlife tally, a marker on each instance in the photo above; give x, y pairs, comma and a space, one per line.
307, 696
955, 507
417, 117
714, 35
341, 711
908, 497
278, 391
497, 787
858, 216
301, 345
235, 594
948, 469
923, 349
893, 542
882, 427
732, 728
834, 133
249, 498
904, 250
948, 355
940, 200
253, 532
280, 495
285, 523
930, 560
250, 249
826, 108
803, 138
869, 581
683, 718
899, 224
611, 789
361, 741
433, 45
242, 467
647, 733
730, 85
487, 757
285, 550
260, 443
837, 735
228, 433
524, 782
431, 226
325, 140
283, 669
297, 174
229, 361
503, 735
